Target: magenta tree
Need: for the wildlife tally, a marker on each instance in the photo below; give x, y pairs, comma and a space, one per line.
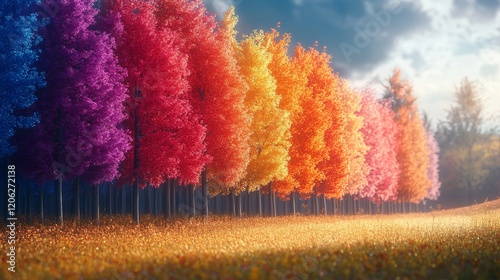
81, 108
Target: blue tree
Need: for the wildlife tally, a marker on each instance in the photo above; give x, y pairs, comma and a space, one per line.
18, 75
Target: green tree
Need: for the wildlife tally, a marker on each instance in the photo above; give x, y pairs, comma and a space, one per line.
461, 138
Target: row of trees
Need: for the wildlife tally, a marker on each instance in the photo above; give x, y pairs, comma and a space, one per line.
160, 94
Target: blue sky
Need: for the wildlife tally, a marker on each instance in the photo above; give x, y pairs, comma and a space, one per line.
436, 43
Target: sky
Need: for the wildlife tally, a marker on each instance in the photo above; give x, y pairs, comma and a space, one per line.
435, 43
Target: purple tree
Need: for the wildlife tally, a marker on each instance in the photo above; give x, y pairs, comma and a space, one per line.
433, 168
81, 109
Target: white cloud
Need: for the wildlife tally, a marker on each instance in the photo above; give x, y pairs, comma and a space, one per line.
298, 2
219, 6
452, 49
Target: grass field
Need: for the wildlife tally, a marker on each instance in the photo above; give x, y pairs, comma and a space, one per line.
461, 243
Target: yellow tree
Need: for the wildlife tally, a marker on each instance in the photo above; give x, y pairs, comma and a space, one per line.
412, 149
290, 86
269, 141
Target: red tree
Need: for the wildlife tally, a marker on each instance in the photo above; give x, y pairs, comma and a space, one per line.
217, 90
167, 135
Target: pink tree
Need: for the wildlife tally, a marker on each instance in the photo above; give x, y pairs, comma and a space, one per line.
380, 133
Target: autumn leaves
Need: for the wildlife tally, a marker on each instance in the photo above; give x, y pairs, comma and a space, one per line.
196, 99
313, 134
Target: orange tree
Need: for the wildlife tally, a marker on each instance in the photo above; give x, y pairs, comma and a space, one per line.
412, 150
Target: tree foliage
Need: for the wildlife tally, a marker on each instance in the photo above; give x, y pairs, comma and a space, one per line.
433, 168
290, 86
168, 138
19, 52
380, 134
269, 141
322, 124
412, 143
356, 166
81, 107
462, 139
217, 90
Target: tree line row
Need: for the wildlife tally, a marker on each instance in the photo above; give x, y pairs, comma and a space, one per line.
147, 93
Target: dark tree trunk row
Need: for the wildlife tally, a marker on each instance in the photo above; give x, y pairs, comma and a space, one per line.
171, 199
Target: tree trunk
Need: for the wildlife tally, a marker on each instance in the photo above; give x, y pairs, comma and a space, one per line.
271, 203
136, 163
84, 214
147, 199
135, 207
96, 204
218, 204
354, 208
324, 205
270, 200
204, 193
150, 193
292, 200
123, 199
238, 209
30, 196
315, 202
192, 206
274, 203
110, 199
76, 198
41, 204
155, 201
232, 203
173, 197
259, 202
249, 209
59, 187
60, 167
167, 211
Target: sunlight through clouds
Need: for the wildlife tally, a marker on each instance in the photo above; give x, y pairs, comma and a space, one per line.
436, 43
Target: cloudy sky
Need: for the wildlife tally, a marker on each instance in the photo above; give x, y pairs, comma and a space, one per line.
436, 43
